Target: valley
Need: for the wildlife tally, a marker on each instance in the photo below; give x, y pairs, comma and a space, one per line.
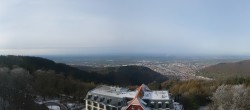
178, 68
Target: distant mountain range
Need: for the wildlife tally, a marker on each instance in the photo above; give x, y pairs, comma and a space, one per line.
227, 70
125, 75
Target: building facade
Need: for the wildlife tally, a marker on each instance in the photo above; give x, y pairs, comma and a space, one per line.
116, 98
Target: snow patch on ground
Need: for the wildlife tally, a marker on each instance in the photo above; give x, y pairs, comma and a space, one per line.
53, 107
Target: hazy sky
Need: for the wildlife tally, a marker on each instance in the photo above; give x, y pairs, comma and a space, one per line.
49, 27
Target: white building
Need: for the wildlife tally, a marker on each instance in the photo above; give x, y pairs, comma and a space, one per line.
116, 98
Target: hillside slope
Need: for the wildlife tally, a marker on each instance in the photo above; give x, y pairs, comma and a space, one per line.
34, 63
128, 75
226, 70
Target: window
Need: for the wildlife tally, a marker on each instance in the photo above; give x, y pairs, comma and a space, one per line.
108, 101
146, 101
167, 105
159, 105
101, 99
95, 104
89, 108
96, 97
89, 96
119, 103
89, 102
152, 105
108, 107
101, 106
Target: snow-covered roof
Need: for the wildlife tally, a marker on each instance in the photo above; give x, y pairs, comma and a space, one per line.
126, 93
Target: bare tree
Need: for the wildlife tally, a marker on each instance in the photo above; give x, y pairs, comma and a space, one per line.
228, 97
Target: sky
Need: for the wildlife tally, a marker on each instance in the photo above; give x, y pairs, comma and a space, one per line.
86, 27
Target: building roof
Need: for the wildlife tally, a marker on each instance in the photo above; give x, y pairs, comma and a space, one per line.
119, 92
137, 98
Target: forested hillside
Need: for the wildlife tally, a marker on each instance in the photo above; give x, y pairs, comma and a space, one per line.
227, 70
128, 75
211, 94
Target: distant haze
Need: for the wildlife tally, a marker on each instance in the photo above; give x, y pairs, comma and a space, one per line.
79, 27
